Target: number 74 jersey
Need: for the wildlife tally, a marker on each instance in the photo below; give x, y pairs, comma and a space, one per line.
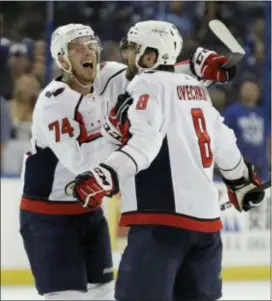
66, 141
176, 136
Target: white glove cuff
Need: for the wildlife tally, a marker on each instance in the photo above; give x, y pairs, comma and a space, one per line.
199, 59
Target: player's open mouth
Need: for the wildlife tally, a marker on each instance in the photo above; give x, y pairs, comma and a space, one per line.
88, 65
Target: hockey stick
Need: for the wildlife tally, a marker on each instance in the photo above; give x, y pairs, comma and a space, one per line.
225, 36
260, 188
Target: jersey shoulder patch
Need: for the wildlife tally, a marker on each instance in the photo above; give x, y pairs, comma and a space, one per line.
57, 97
58, 91
150, 71
54, 88
55, 93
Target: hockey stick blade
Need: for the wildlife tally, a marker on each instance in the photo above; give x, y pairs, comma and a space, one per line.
226, 37
234, 58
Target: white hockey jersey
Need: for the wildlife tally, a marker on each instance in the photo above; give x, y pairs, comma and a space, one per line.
176, 136
112, 80
66, 139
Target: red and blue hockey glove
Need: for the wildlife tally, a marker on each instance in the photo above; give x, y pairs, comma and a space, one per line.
116, 127
208, 65
90, 187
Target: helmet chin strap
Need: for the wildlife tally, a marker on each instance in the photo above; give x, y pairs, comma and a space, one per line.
79, 83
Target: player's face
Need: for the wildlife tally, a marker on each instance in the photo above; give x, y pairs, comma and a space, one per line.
83, 56
145, 61
123, 49
131, 52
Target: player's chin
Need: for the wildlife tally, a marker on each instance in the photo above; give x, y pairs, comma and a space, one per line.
89, 75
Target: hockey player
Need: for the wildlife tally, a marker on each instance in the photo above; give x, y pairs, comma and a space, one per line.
172, 136
205, 65
68, 246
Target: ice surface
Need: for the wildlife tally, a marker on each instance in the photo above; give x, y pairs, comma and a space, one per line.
231, 291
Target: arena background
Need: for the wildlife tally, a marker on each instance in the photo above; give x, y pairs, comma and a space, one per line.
26, 67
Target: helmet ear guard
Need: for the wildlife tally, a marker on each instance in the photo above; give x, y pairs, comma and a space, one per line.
143, 51
65, 60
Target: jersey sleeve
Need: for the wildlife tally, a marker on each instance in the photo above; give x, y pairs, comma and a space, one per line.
227, 155
184, 67
61, 133
145, 119
108, 70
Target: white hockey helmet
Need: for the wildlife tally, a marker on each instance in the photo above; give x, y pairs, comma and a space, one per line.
160, 35
63, 35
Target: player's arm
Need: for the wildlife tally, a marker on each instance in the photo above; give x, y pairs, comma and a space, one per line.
62, 134
226, 153
238, 175
206, 66
144, 129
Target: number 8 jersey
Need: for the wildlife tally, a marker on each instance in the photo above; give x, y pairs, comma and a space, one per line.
66, 138
166, 167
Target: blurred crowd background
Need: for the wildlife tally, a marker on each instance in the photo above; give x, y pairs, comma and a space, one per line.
26, 67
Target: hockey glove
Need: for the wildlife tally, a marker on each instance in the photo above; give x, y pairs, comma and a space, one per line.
241, 191
116, 127
90, 187
207, 65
